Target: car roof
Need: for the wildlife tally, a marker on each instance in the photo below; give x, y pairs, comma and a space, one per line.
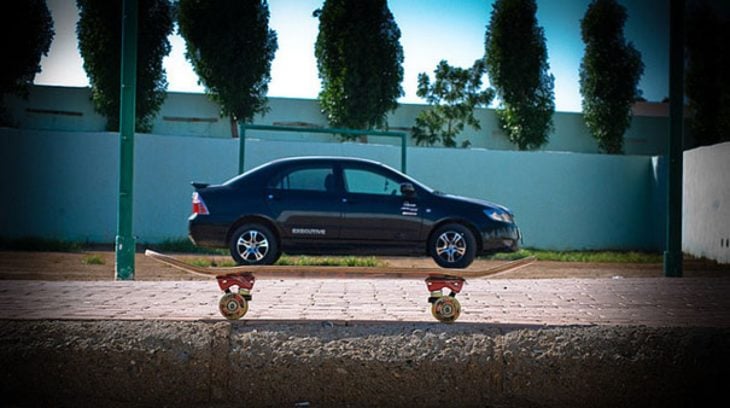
303, 159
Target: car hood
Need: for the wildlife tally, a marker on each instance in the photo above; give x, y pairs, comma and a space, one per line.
483, 203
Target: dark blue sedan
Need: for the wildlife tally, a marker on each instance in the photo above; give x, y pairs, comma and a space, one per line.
332, 205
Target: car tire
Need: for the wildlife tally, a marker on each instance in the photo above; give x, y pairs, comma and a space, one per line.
452, 246
254, 244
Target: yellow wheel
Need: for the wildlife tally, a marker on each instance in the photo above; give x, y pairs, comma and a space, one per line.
446, 309
233, 306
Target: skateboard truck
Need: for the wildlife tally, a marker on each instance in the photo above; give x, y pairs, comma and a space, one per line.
445, 309
234, 305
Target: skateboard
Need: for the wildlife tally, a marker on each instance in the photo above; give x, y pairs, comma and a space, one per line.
233, 304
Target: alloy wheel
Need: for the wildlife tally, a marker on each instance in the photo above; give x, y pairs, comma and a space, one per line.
252, 246
451, 246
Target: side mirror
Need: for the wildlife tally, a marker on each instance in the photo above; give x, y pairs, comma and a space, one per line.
407, 189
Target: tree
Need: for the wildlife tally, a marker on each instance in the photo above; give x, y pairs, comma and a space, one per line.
708, 75
452, 98
609, 74
360, 59
231, 47
516, 58
26, 32
99, 32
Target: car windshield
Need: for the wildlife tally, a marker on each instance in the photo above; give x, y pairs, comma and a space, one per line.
240, 176
412, 180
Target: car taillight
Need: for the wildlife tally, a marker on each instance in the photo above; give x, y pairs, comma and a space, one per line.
199, 206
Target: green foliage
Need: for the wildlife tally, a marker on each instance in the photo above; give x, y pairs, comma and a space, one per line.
93, 259
39, 244
26, 32
99, 32
452, 98
583, 256
708, 75
360, 59
183, 245
609, 74
212, 263
516, 58
286, 260
231, 47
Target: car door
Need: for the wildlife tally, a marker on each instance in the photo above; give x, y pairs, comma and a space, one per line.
305, 203
374, 209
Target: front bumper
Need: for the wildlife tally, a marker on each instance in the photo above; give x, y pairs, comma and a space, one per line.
505, 239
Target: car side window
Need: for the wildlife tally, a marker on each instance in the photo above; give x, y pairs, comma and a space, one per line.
309, 179
367, 182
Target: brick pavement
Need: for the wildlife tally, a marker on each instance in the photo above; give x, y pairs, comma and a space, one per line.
657, 302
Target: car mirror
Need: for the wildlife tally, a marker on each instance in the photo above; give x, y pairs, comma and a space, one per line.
407, 189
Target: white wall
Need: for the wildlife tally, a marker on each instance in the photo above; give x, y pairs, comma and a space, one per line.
706, 209
187, 114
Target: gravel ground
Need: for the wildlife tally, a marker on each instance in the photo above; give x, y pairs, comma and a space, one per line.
139, 364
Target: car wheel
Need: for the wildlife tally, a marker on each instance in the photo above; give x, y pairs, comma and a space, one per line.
453, 246
254, 244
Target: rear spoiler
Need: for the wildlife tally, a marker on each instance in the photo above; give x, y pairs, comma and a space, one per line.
198, 185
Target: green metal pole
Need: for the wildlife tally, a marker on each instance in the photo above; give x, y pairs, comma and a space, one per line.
241, 149
673, 252
125, 245
331, 131
403, 165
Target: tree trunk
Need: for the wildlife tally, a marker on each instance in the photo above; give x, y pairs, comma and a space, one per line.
234, 128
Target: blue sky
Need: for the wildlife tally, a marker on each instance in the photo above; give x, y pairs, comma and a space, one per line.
431, 30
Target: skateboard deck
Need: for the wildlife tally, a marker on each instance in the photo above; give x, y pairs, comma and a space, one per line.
340, 271
234, 304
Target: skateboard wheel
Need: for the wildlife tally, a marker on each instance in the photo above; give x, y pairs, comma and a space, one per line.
233, 306
446, 309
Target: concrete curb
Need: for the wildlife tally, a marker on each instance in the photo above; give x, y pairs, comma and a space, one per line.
156, 363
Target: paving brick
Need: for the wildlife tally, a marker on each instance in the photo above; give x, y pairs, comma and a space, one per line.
641, 301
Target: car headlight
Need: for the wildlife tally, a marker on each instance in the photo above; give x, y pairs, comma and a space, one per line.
498, 215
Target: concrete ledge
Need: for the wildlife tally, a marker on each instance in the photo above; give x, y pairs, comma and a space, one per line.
154, 363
